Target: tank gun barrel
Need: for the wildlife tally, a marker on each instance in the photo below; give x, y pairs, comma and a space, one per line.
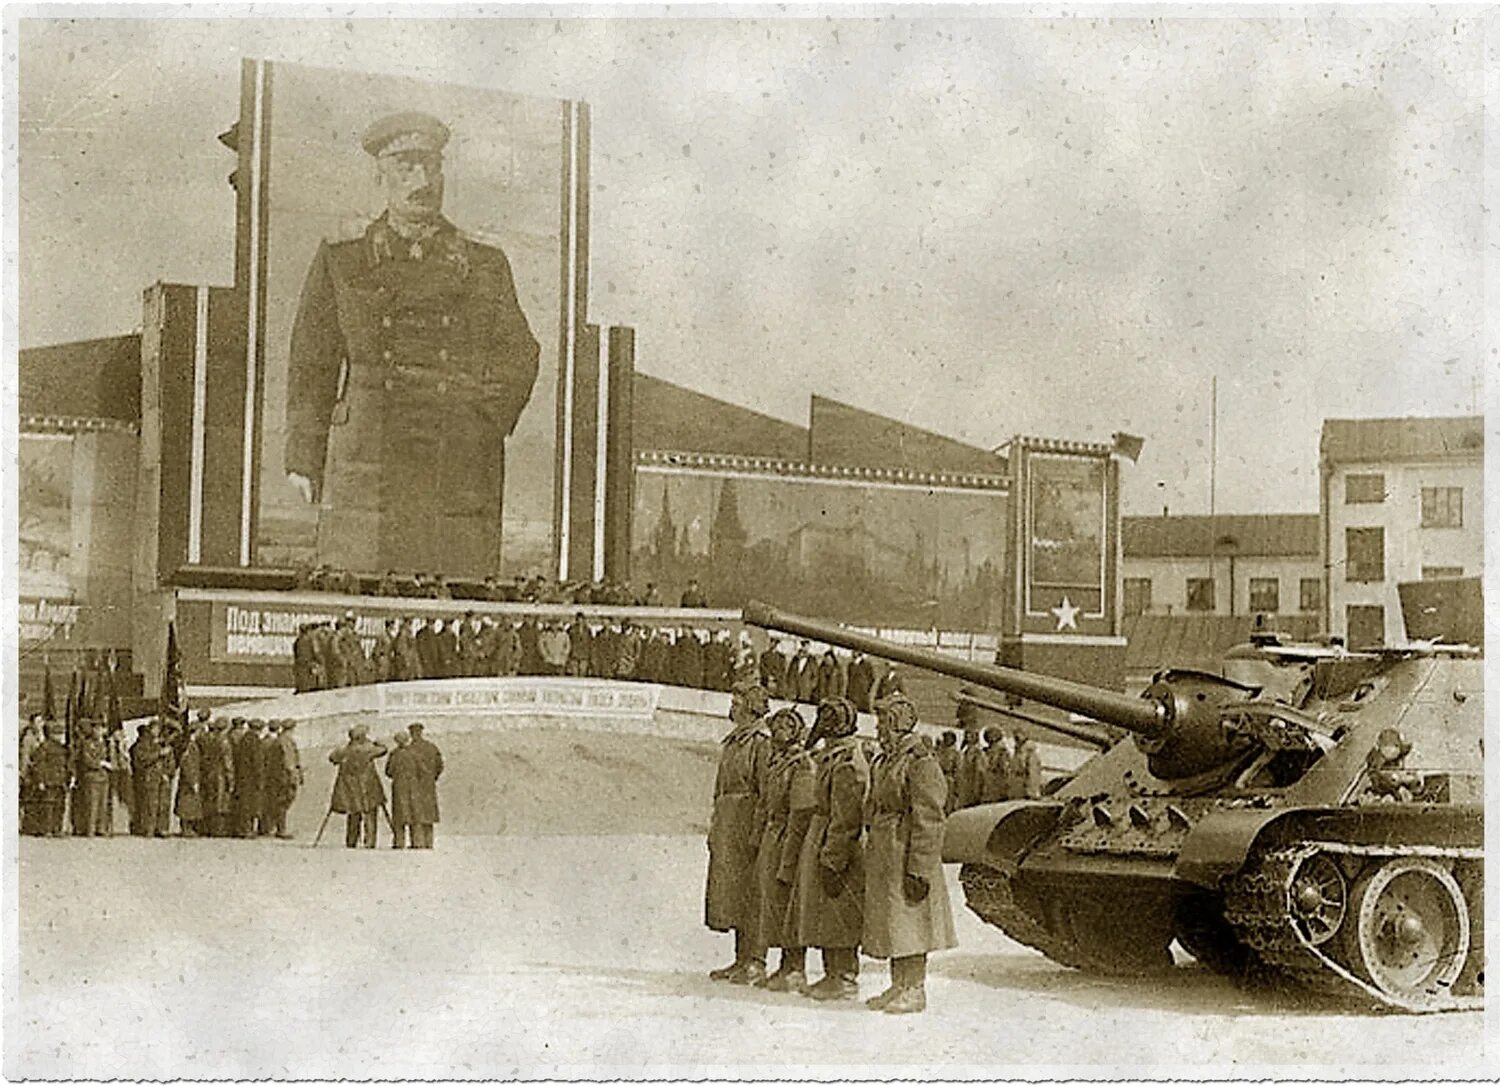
1144, 716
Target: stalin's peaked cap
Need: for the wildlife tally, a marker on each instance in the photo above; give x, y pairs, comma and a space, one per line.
410, 131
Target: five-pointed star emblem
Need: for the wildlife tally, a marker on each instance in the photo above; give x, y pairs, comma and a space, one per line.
1067, 614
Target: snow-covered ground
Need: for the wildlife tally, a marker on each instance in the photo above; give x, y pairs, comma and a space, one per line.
493, 956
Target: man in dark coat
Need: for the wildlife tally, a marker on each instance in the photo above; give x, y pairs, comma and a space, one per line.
348, 654
693, 595
580, 645
731, 902
216, 780
320, 645
402, 770
406, 663
286, 761
531, 653
890, 683
383, 653
972, 761
948, 761
862, 682
48, 774
428, 767
249, 793
145, 752
410, 363
92, 768
189, 805
718, 662
470, 651
427, 635
689, 660
907, 914
996, 781
357, 791
801, 676
773, 670
307, 670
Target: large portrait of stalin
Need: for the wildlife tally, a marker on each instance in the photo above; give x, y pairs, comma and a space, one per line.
410, 364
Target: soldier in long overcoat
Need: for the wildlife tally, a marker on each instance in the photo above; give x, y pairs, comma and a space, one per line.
383, 653
828, 896
907, 913
189, 805
48, 774
995, 786
248, 779
402, 771
949, 758
428, 761
1025, 770
971, 765
405, 662
217, 780
788, 755
357, 791
288, 761
730, 900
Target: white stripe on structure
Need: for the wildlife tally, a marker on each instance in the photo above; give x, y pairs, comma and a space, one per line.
1108, 640
199, 425
252, 332
570, 345
601, 452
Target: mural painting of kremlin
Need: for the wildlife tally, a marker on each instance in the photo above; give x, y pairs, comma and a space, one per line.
895, 555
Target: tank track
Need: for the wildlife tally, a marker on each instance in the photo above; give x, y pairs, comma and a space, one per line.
1256, 906
988, 894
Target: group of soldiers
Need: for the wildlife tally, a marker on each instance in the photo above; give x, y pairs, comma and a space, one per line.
533, 589
803, 676
813, 844
1006, 765
221, 778
412, 762
328, 655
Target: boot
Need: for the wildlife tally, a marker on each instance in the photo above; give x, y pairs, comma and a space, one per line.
907, 1001
835, 986
793, 980
881, 1001
751, 971
901, 978
725, 972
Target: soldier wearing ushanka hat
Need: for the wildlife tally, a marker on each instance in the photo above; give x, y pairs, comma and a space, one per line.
410, 363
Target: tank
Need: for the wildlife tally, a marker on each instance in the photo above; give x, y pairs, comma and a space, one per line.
1312, 818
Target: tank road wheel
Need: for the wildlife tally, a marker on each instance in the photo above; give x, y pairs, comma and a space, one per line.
1409, 934
1318, 898
1471, 880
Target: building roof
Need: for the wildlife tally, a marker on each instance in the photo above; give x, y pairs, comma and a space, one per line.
1377, 440
86, 379
1269, 535
1153, 642
843, 434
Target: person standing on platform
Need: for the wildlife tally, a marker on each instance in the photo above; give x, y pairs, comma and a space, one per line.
996, 784
357, 791
405, 662
48, 774
306, 670
348, 654
402, 771
426, 638
948, 761
428, 763
320, 645
580, 645
156, 797
773, 670
862, 682
189, 805
833, 677
730, 902
92, 770
971, 765
144, 753
554, 648
890, 683
907, 913
383, 652
786, 755
693, 596
827, 901
1025, 770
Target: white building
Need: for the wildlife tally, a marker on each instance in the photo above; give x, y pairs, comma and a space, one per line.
1401, 500
1223, 565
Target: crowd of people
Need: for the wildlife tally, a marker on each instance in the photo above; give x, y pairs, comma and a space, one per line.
219, 777
533, 589
815, 843
333, 654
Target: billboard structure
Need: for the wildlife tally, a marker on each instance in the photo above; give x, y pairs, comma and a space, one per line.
409, 318
865, 546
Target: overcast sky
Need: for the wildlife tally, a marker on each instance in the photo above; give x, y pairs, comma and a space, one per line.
981, 226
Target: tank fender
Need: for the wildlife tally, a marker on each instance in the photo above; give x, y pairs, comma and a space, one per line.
997, 830
1221, 844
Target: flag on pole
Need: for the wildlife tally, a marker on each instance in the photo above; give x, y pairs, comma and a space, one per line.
49, 710
112, 692
172, 705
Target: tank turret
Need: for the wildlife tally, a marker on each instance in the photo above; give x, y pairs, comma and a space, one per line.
1311, 812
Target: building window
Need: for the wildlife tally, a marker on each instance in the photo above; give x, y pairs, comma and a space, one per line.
1310, 594
1364, 550
1137, 595
1364, 489
1432, 573
1200, 593
1366, 625
1265, 595
1442, 507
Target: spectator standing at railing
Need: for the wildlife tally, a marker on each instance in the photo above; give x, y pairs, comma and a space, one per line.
693, 595
389, 584
383, 652
689, 660
304, 663
530, 662
804, 675
833, 678
718, 662
773, 670
628, 650
508, 649
580, 645
604, 652
890, 683
424, 637
554, 648
862, 682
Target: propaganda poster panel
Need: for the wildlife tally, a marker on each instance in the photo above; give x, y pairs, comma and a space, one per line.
856, 551
413, 247
1066, 517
